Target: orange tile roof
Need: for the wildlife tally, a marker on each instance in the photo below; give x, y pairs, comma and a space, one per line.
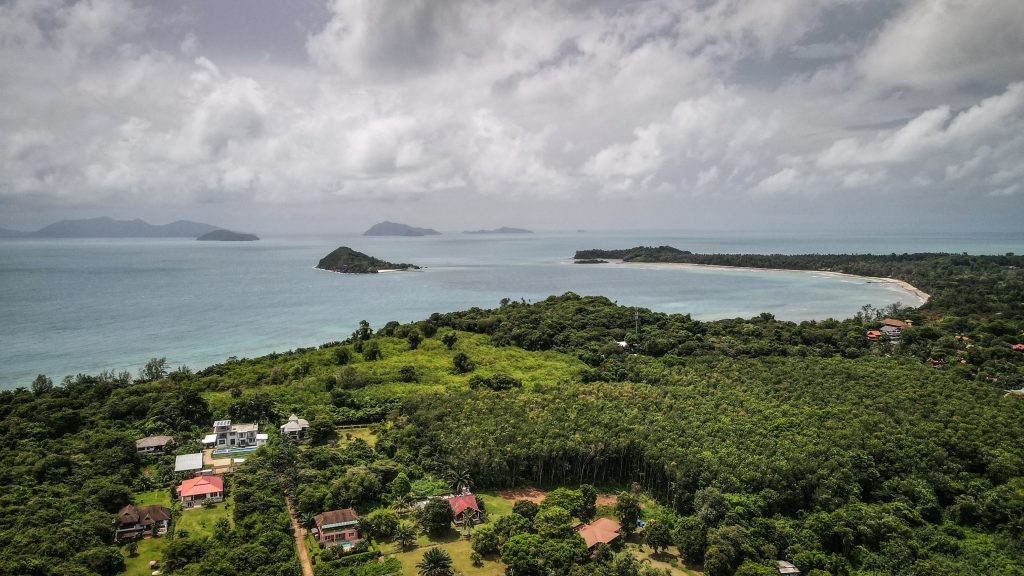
600, 531
201, 485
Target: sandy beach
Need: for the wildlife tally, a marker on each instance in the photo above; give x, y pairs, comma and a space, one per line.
916, 292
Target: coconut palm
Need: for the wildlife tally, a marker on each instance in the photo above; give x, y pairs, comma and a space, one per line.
459, 479
435, 562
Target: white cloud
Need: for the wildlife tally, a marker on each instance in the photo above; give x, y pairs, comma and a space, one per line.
946, 43
410, 98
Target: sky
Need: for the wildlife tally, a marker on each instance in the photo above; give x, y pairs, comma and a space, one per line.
314, 116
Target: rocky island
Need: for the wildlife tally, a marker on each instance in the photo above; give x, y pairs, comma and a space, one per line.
228, 236
502, 230
349, 261
386, 228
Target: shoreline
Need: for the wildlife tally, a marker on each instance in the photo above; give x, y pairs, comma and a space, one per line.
915, 291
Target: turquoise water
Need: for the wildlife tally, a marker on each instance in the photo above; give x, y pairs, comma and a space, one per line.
220, 451
70, 306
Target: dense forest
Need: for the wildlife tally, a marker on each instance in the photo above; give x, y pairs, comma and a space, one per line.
739, 442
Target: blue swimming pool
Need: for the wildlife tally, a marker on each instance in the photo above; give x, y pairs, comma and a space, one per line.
220, 451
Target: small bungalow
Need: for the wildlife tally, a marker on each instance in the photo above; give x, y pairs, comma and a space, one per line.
787, 568
464, 507
1018, 347
337, 528
873, 335
194, 491
153, 444
134, 522
295, 428
600, 531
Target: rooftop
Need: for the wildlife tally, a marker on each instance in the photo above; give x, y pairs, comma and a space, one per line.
201, 485
188, 462
463, 502
221, 423
343, 517
600, 531
153, 441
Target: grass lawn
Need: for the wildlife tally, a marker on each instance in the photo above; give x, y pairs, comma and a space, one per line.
149, 549
666, 560
161, 496
495, 505
202, 520
459, 551
346, 435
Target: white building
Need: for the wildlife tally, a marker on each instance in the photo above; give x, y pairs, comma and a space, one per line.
295, 427
228, 435
188, 463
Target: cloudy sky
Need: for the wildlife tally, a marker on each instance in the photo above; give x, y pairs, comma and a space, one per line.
314, 116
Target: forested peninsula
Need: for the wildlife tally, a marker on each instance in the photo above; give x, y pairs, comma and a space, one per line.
831, 445
348, 261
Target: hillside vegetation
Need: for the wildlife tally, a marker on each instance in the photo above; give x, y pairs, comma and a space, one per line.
748, 440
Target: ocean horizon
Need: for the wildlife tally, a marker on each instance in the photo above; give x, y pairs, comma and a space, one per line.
73, 306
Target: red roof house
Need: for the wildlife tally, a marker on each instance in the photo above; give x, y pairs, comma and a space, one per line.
194, 491
600, 531
464, 506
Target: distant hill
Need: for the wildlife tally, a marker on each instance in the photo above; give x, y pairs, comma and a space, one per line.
228, 236
395, 229
502, 230
8, 233
348, 261
109, 228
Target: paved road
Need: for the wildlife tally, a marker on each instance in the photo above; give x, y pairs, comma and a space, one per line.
300, 544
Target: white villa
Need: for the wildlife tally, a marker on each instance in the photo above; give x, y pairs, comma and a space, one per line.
295, 427
228, 435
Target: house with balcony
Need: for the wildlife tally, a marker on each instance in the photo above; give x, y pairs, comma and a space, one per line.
337, 528
228, 435
194, 491
134, 522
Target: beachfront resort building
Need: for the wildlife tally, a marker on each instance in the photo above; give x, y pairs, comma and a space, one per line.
194, 491
228, 435
134, 522
295, 428
337, 528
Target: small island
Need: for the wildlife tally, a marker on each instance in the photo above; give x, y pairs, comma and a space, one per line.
386, 228
502, 230
348, 261
590, 261
227, 236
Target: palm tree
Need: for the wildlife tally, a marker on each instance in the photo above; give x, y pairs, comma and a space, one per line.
435, 562
459, 479
405, 535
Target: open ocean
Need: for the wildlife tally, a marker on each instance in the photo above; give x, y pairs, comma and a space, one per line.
72, 305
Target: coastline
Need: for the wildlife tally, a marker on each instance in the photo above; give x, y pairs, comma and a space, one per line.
915, 291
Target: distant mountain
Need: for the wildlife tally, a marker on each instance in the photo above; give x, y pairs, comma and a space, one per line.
228, 236
348, 261
502, 230
395, 229
8, 233
110, 228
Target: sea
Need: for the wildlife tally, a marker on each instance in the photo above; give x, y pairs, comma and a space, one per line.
70, 306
